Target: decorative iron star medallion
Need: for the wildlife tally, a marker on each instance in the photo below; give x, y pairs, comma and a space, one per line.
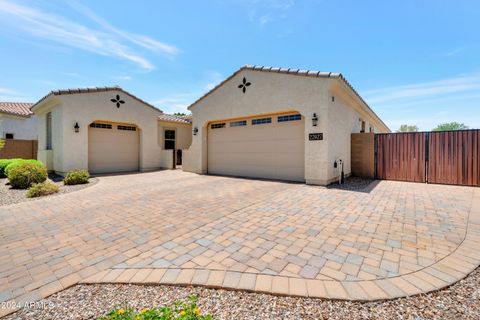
244, 85
117, 101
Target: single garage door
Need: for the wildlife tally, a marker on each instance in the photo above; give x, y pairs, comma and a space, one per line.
271, 147
112, 148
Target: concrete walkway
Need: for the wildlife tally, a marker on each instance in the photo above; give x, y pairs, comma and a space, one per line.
171, 227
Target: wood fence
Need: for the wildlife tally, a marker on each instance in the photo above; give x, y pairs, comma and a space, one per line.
25, 149
363, 155
448, 157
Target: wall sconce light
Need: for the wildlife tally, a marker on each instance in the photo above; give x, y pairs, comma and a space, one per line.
195, 131
314, 120
76, 127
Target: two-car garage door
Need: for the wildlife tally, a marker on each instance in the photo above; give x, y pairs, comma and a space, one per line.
271, 147
112, 148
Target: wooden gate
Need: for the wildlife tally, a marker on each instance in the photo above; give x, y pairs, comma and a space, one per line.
453, 157
401, 156
449, 157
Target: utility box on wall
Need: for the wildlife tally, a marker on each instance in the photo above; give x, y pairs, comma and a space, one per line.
363, 155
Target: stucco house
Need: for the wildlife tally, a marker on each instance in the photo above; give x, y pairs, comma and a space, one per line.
278, 123
260, 122
106, 130
17, 121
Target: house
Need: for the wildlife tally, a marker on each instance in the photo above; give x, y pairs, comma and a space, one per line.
17, 121
106, 130
275, 123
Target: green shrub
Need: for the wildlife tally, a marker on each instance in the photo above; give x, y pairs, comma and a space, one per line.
3, 164
76, 177
17, 162
23, 175
178, 311
42, 189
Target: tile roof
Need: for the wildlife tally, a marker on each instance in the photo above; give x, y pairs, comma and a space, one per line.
291, 71
90, 90
16, 108
174, 118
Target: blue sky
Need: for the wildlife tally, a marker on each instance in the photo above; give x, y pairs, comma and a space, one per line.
415, 62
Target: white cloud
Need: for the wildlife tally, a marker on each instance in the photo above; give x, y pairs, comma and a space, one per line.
455, 51
107, 42
429, 103
7, 91
7, 94
175, 103
122, 78
405, 93
266, 11
141, 40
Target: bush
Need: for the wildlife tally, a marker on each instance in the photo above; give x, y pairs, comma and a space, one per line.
23, 175
76, 177
3, 164
16, 162
178, 311
42, 189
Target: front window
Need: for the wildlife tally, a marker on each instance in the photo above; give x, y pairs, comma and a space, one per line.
169, 139
49, 131
8, 135
261, 121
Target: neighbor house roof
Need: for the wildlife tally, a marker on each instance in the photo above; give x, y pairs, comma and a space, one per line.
297, 72
92, 90
174, 118
16, 108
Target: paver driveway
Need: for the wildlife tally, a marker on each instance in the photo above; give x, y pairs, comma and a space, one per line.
173, 227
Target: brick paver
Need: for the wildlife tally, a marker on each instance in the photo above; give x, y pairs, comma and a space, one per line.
173, 227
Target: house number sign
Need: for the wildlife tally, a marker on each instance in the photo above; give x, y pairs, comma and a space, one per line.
315, 136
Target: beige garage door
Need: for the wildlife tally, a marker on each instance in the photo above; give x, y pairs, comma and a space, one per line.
112, 148
271, 147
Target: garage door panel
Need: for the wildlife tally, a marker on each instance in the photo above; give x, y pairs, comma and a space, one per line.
112, 150
274, 151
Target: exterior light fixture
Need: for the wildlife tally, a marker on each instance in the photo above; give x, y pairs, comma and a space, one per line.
195, 131
314, 120
76, 127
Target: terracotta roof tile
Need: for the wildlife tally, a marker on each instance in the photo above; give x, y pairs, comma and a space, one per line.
16, 108
173, 118
93, 89
297, 72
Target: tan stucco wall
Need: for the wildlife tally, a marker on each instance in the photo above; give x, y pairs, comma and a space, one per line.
23, 128
275, 93
183, 138
53, 160
70, 149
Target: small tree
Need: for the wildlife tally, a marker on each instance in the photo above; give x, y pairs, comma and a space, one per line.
449, 126
179, 114
2, 143
408, 128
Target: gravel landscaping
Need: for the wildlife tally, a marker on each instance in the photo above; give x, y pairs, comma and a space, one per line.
11, 196
460, 301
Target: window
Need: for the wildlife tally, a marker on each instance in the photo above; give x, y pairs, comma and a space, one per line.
292, 117
372, 129
217, 125
261, 121
101, 125
49, 131
363, 127
238, 123
128, 128
169, 139
8, 135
